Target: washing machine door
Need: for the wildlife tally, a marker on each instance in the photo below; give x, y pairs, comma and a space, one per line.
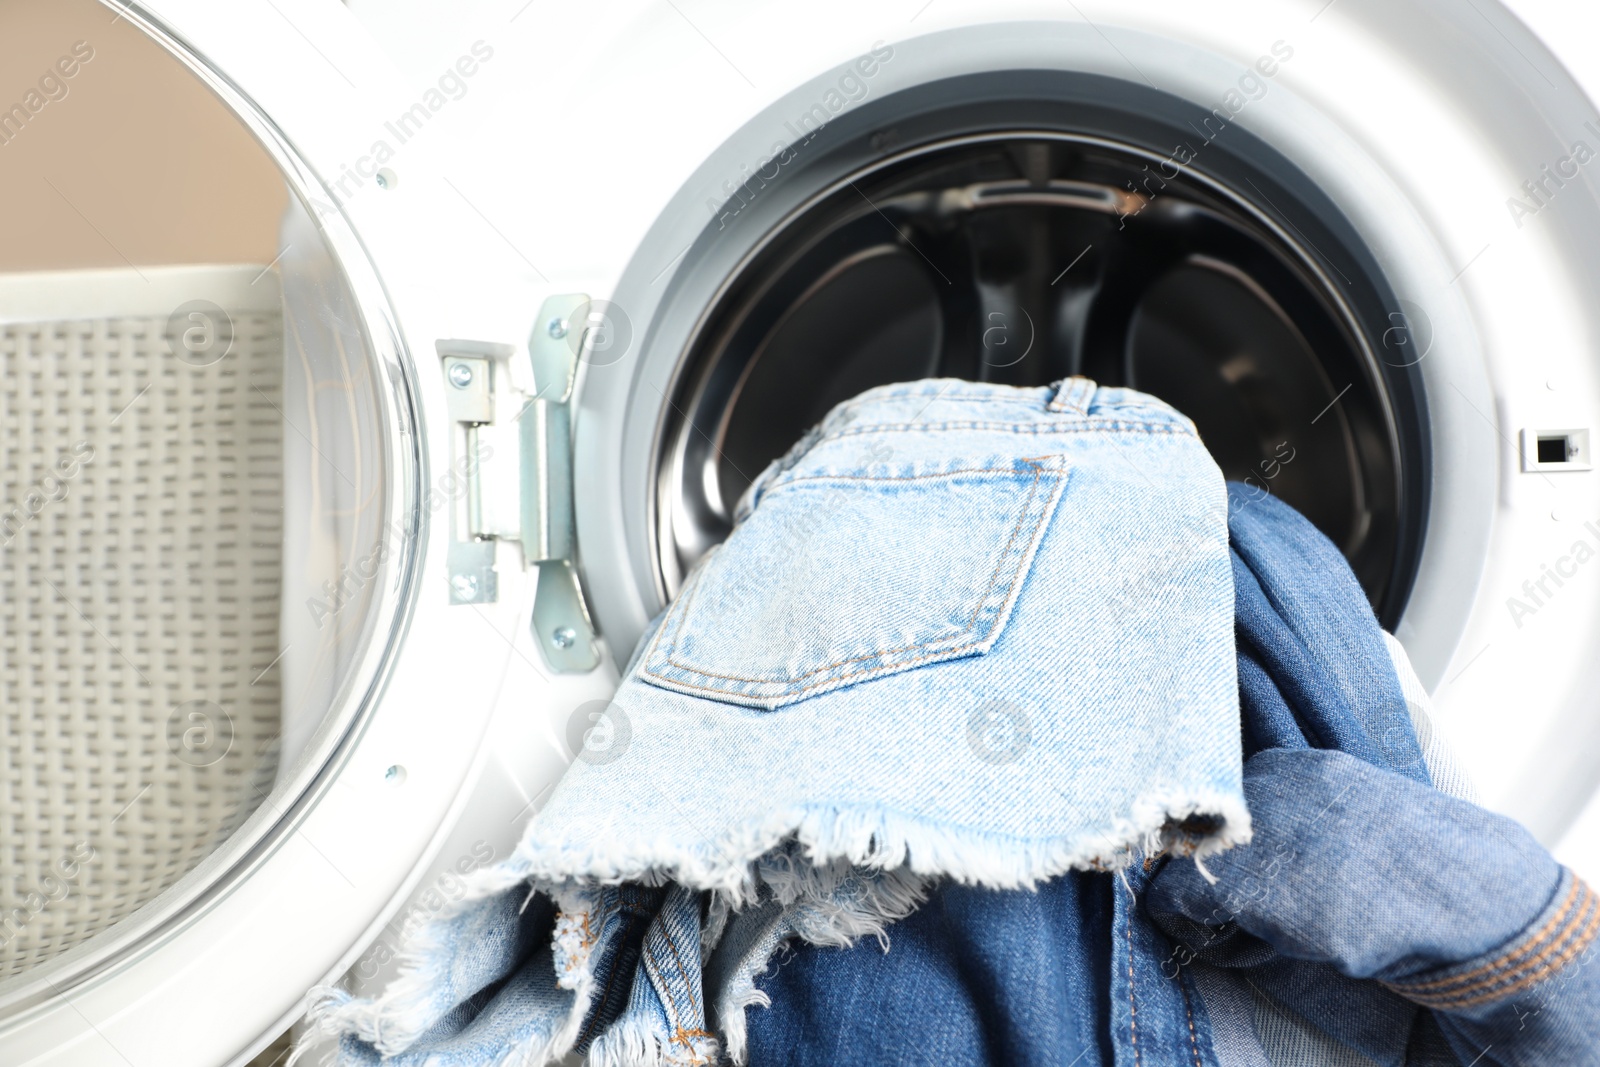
237, 501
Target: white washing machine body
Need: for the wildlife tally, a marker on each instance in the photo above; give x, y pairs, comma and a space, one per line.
591, 149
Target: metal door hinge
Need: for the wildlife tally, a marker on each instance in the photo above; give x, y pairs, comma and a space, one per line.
511, 476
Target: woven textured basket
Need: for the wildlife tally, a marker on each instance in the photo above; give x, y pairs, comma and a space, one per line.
141, 524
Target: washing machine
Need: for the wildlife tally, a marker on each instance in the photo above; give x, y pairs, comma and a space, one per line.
375, 372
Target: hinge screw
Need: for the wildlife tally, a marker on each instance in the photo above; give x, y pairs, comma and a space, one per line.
465, 587
460, 375
564, 637
557, 328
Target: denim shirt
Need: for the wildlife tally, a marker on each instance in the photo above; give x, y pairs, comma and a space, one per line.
1407, 925
961, 634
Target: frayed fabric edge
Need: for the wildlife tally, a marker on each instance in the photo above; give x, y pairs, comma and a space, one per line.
833, 905
629, 1043
841, 874
729, 866
740, 995
406, 1008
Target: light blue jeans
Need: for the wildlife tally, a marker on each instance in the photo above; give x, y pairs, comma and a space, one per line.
960, 633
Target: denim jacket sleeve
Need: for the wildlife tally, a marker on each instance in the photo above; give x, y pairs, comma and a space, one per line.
1452, 907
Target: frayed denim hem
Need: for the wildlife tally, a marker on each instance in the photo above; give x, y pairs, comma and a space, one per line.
429, 984
835, 877
632, 1043
1196, 824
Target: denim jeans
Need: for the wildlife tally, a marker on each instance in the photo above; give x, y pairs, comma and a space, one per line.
961, 634
1067, 975
1372, 919
1404, 923
1023, 977
919, 621
807, 876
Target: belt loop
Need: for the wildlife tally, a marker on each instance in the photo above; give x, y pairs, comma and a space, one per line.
1073, 394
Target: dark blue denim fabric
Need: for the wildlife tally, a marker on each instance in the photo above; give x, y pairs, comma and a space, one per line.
1313, 667
1366, 899
972, 977
1070, 975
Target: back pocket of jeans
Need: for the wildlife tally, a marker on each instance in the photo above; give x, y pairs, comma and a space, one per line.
838, 579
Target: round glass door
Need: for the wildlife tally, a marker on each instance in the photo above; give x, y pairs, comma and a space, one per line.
202, 534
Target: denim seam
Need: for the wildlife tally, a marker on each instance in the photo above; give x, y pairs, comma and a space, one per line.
1508, 960
939, 387
980, 392
1580, 939
664, 987
963, 391
1517, 947
611, 975
1133, 1007
1188, 1009
888, 477
1561, 939
989, 594
679, 1034
1089, 425
682, 973
592, 912
1073, 394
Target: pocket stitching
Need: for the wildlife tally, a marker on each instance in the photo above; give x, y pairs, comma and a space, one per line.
987, 593
903, 477
1039, 471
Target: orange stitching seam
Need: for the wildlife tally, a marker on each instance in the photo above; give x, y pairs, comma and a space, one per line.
665, 988
1188, 1010
682, 973
1133, 1007
683, 1037
588, 934
1524, 946
1455, 1000
605, 994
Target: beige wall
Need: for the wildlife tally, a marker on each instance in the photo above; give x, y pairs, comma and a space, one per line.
151, 168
